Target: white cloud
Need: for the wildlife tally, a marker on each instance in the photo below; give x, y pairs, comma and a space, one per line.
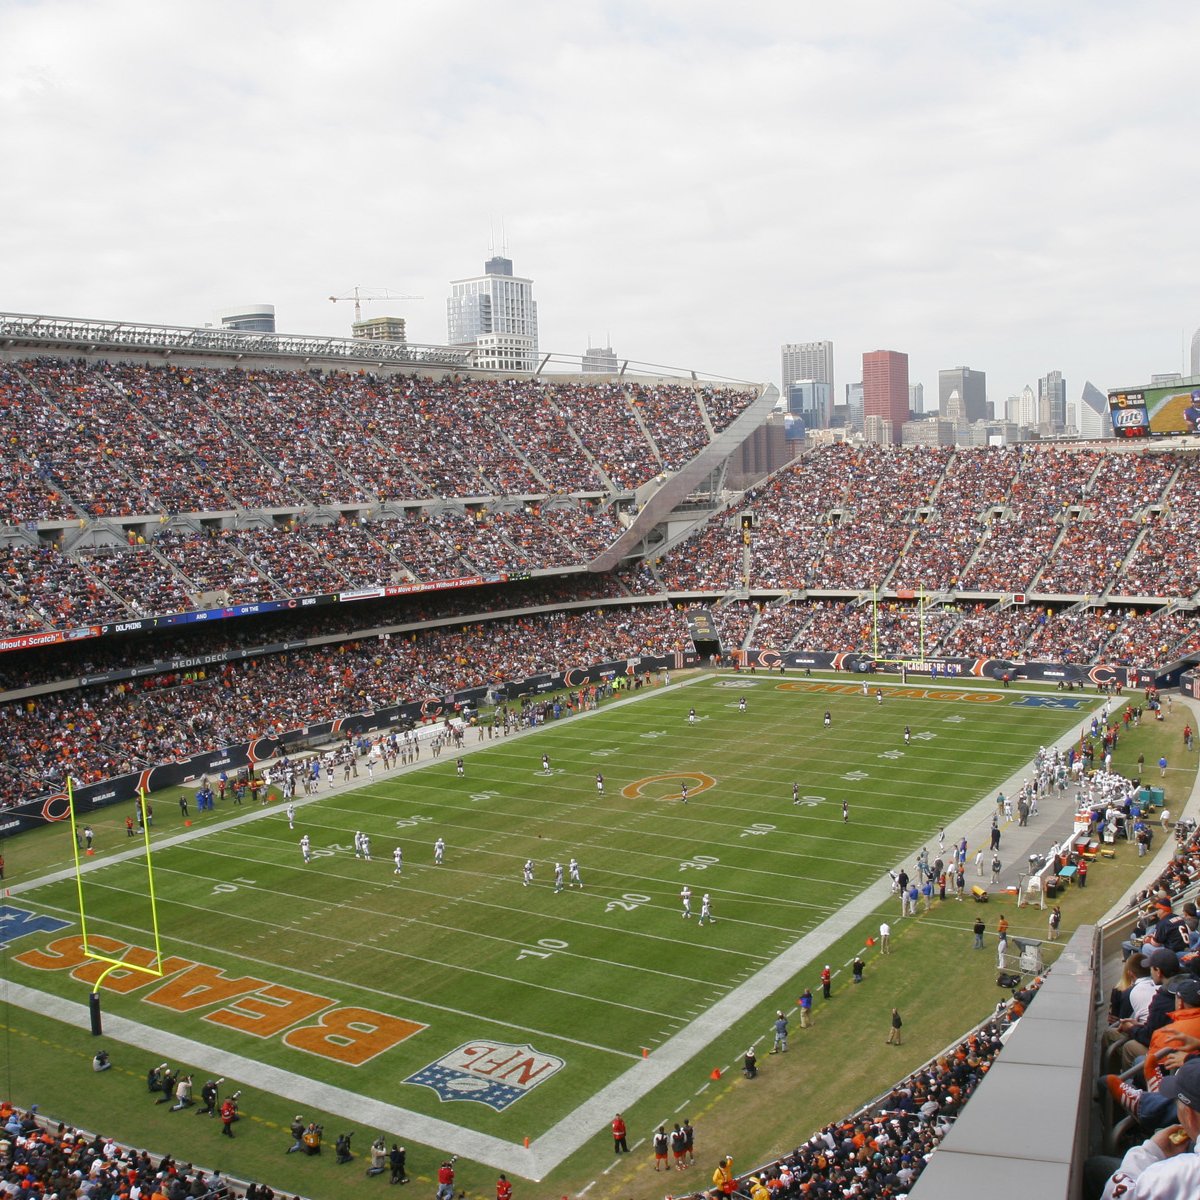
1009, 186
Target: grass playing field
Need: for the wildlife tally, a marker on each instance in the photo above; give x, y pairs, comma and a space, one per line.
455, 1006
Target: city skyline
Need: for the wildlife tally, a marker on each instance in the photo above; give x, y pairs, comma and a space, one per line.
296, 162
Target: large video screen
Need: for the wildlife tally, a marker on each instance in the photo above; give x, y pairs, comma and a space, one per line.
1155, 412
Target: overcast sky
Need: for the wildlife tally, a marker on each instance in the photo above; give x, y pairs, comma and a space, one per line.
1008, 186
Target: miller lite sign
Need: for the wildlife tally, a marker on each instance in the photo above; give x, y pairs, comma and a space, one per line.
493, 1073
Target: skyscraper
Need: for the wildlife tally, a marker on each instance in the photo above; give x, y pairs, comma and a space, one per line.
599, 360
1052, 403
971, 387
1094, 421
885, 389
811, 402
806, 360
854, 406
497, 315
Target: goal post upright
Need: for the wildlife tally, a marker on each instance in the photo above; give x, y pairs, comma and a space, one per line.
154, 970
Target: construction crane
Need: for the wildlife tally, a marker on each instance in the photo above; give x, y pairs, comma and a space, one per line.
360, 297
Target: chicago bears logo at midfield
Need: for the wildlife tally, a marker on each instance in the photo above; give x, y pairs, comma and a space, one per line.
493, 1073
657, 787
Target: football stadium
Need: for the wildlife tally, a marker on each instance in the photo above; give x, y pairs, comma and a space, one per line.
421, 772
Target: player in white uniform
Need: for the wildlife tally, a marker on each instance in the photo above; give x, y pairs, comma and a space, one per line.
439, 852
398, 859
706, 911
573, 873
291, 816
545, 762
306, 848
828, 719
599, 784
558, 877
796, 793
691, 716
366, 847
527, 873
741, 704
357, 844
686, 898
907, 735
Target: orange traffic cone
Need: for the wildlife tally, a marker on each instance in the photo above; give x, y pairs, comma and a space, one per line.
716, 1073
870, 941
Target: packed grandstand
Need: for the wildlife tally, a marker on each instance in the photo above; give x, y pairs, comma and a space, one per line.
136, 493
360, 543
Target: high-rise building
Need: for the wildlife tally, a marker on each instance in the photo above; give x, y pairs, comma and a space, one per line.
1027, 408
380, 329
916, 397
971, 387
806, 360
1052, 403
854, 406
249, 318
599, 360
496, 314
885, 389
810, 402
1094, 421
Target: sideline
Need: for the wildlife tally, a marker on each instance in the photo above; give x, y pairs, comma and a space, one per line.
1157, 862
578, 1127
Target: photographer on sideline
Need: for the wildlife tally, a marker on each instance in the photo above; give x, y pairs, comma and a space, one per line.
312, 1138
183, 1094
342, 1148
208, 1093
297, 1132
379, 1156
398, 1158
100, 1062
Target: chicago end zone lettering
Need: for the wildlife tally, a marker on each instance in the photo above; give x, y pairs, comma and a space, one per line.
348, 1035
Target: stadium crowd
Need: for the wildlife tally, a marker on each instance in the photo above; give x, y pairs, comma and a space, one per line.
881, 1150
170, 712
110, 439
45, 1161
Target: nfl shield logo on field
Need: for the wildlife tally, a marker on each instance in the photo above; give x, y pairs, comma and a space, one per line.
493, 1073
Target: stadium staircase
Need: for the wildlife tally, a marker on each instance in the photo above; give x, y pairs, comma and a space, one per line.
661, 501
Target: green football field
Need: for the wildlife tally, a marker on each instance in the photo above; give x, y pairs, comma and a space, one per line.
454, 994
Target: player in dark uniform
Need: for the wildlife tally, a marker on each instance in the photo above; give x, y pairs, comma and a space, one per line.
1191, 414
